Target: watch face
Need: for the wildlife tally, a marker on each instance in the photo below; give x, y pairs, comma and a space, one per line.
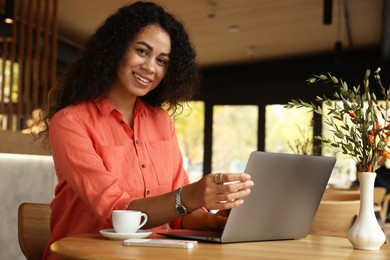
181, 210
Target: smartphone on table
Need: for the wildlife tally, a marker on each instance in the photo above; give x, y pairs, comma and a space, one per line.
160, 242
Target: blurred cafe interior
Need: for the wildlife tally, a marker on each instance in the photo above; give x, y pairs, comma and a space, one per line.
254, 55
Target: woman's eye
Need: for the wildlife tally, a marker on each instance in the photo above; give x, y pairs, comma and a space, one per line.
142, 51
162, 62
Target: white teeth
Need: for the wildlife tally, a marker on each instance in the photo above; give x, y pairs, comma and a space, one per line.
141, 78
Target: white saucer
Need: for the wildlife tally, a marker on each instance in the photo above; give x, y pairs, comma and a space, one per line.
110, 233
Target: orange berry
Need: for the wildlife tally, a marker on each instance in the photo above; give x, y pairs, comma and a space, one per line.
377, 125
370, 139
385, 154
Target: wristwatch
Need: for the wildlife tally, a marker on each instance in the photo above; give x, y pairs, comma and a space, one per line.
180, 208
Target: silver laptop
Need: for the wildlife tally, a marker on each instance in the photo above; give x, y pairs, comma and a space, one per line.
282, 204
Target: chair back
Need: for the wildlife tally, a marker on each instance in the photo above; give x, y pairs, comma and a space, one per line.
335, 218
379, 202
341, 195
33, 229
379, 195
383, 214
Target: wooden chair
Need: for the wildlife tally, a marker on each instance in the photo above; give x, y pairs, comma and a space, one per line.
379, 202
339, 194
385, 208
335, 217
354, 194
33, 229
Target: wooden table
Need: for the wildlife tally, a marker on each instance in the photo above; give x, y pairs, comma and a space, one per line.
94, 246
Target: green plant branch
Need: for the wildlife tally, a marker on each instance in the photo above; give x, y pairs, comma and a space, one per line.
364, 139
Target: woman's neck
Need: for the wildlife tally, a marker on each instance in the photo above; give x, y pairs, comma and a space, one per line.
124, 104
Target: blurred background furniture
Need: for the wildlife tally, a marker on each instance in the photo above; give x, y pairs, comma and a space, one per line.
334, 217
385, 208
341, 194
380, 203
23, 178
33, 228
339, 207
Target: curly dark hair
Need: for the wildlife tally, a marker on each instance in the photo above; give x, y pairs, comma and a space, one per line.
95, 69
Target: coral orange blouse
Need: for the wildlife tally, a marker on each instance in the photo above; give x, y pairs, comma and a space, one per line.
102, 164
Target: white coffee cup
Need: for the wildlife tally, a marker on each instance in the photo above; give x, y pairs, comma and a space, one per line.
128, 221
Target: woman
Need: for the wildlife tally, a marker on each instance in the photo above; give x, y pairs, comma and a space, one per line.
113, 145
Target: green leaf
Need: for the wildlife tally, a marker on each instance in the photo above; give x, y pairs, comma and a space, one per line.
335, 80
323, 77
311, 80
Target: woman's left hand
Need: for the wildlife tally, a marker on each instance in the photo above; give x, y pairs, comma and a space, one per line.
217, 191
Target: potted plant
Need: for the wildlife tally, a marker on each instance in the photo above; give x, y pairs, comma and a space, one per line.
359, 121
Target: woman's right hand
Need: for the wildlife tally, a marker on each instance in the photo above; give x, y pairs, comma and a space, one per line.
217, 191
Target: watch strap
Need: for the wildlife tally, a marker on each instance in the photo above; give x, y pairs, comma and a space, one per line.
180, 208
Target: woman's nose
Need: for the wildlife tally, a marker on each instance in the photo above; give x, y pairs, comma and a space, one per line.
149, 66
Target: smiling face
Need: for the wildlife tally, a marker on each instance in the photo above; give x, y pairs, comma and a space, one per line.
144, 65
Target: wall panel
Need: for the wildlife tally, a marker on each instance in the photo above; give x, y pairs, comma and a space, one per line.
30, 43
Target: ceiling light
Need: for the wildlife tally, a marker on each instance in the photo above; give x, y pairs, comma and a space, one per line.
213, 10
234, 28
8, 20
9, 11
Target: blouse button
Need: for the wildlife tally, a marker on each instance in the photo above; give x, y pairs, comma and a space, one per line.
148, 193
136, 141
143, 165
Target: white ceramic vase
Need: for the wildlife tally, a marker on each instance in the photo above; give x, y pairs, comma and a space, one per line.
366, 233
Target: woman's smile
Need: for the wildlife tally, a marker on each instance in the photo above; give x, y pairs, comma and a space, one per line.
142, 78
144, 65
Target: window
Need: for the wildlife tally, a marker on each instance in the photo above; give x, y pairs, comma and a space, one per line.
8, 91
288, 130
234, 136
190, 133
